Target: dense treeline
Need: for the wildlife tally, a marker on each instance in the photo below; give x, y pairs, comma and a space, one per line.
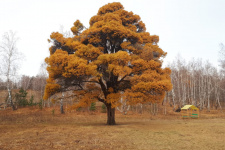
195, 82
198, 83
35, 85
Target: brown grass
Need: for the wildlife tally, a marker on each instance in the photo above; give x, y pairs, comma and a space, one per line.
31, 128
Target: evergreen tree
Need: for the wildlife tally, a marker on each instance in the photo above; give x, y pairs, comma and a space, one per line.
93, 107
21, 99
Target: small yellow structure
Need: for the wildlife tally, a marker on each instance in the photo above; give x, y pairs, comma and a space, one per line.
189, 111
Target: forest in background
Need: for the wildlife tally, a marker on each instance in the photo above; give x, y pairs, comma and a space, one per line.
195, 82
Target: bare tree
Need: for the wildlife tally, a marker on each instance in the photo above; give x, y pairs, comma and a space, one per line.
41, 80
64, 32
26, 82
124, 106
198, 83
10, 61
222, 57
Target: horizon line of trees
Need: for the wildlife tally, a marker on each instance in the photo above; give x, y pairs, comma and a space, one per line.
195, 82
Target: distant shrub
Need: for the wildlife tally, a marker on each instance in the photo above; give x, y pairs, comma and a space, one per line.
40, 104
31, 101
93, 107
79, 109
53, 112
21, 99
103, 108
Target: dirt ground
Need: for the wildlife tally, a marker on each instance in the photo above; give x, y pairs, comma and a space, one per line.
36, 129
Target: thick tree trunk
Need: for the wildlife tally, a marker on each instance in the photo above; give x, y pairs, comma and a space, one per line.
110, 115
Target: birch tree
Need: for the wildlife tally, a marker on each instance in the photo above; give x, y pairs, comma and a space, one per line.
198, 83
222, 57
10, 58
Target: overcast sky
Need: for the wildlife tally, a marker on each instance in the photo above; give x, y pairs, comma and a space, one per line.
191, 28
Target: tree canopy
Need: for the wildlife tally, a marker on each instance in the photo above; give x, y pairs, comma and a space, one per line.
115, 56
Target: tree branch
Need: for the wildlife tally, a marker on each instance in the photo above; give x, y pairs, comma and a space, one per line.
101, 100
92, 81
104, 89
122, 79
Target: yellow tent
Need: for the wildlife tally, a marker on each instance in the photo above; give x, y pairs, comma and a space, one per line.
189, 111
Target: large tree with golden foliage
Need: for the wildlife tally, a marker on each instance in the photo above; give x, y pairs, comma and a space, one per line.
114, 56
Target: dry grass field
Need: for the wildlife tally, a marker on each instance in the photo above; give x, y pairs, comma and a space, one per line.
31, 128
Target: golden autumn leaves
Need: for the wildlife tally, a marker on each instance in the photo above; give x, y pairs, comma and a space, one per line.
66, 65
112, 58
78, 63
